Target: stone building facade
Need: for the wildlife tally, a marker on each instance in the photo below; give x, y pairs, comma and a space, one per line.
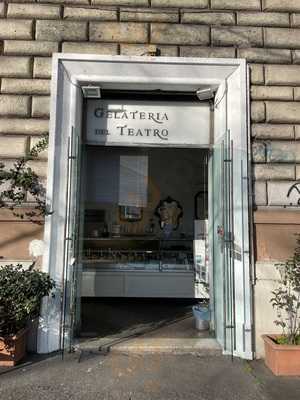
265, 32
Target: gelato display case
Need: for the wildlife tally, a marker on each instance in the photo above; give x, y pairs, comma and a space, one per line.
119, 266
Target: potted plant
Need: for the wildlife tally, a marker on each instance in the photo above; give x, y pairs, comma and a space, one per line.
21, 292
282, 352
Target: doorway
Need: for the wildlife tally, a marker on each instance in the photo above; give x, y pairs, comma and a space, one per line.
144, 245
230, 231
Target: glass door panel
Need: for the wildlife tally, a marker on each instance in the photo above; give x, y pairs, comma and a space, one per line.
227, 227
221, 235
216, 239
71, 260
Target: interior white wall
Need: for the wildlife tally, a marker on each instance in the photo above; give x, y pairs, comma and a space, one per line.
179, 173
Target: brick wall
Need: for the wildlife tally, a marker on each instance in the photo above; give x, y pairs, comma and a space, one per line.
266, 32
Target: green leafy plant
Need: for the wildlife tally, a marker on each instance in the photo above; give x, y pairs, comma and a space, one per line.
286, 298
21, 292
19, 181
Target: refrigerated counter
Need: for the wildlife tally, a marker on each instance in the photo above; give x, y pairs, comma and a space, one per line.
144, 266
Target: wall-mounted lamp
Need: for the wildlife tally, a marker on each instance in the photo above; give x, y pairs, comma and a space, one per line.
205, 94
91, 92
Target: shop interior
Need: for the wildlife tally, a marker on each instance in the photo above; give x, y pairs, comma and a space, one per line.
144, 247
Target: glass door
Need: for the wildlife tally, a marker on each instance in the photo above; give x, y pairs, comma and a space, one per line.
221, 237
231, 290
227, 236
72, 266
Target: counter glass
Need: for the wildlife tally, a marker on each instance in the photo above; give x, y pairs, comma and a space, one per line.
138, 253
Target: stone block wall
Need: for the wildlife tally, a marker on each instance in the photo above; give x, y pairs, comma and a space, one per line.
265, 32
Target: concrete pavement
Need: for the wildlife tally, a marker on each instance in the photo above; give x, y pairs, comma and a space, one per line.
141, 377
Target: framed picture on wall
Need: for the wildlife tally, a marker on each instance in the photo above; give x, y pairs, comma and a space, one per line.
169, 211
130, 213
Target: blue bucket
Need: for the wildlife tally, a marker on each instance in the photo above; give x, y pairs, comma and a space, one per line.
202, 317
201, 312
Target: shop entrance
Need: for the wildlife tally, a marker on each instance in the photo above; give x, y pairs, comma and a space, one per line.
145, 240
222, 128
145, 222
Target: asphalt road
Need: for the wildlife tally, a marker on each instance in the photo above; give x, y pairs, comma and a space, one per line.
139, 377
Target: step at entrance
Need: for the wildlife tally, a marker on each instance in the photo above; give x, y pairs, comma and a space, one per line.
179, 337
203, 346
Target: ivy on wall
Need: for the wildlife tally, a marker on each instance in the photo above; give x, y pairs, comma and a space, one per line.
20, 181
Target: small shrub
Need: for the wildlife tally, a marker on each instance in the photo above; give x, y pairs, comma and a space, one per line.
19, 181
286, 298
21, 292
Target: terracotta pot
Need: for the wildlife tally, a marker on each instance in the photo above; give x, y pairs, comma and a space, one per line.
282, 359
12, 348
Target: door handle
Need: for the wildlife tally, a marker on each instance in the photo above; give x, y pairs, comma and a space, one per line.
220, 231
